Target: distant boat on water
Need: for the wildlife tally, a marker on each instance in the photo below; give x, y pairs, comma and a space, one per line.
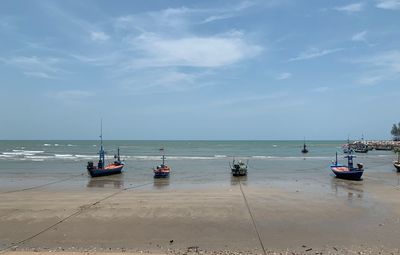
361, 146
348, 172
162, 171
238, 168
347, 148
101, 169
304, 150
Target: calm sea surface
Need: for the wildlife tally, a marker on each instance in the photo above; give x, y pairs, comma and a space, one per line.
30, 163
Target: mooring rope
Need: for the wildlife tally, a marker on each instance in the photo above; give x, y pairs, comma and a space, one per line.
81, 210
42, 185
252, 219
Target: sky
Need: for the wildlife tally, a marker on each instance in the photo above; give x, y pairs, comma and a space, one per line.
216, 69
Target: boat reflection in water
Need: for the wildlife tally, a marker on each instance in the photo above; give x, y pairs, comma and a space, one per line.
235, 180
161, 183
115, 181
354, 190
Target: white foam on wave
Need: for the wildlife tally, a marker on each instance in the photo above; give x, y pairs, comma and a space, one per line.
259, 157
6, 156
22, 153
46, 144
64, 156
220, 156
18, 153
86, 156
39, 157
35, 152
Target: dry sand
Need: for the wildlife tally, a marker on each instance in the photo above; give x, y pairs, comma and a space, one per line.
349, 218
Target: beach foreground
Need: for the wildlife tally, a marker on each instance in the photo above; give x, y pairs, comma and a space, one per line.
298, 214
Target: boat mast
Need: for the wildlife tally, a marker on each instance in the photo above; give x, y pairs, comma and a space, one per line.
336, 159
101, 152
163, 156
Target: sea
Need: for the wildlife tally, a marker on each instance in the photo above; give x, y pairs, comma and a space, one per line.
202, 164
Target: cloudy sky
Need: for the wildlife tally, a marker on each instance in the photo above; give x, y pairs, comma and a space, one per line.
221, 69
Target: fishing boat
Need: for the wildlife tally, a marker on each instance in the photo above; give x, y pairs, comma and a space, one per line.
348, 172
162, 171
347, 148
304, 150
238, 168
361, 148
397, 163
101, 169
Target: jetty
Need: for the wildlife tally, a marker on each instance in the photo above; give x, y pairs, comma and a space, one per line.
387, 145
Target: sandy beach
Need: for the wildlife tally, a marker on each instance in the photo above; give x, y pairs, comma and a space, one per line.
304, 215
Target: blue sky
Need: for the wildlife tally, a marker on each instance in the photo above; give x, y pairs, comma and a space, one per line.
277, 69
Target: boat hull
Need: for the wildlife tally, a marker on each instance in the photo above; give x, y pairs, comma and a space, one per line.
239, 172
397, 166
161, 175
96, 172
353, 174
161, 171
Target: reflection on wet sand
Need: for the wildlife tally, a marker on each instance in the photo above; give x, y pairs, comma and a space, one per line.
114, 181
161, 183
236, 179
354, 189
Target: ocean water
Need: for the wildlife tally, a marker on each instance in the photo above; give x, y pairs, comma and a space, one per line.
25, 164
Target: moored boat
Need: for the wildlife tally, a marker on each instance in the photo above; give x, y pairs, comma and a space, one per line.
348, 172
397, 163
238, 168
162, 171
346, 147
101, 169
304, 150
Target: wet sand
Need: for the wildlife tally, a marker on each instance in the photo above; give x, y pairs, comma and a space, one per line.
308, 214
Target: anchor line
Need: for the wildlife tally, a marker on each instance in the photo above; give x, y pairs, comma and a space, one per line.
41, 186
79, 211
252, 219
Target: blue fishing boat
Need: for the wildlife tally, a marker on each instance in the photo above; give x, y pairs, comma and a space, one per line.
162, 171
101, 169
348, 172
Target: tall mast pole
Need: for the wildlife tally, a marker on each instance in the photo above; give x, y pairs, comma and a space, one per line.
101, 141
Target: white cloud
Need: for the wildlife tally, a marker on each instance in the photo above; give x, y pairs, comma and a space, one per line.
39, 75
360, 37
163, 80
212, 51
283, 76
321, 89
388, 4
253, 98
351, 8
42, 67
71, 95
217, 17
314, 53
381, 67
99, 36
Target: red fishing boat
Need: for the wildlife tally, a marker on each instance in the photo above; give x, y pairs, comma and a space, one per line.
162, 171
